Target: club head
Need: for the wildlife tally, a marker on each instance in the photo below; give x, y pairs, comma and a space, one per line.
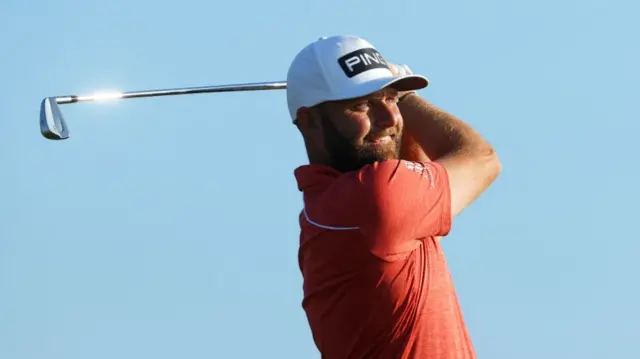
52, 124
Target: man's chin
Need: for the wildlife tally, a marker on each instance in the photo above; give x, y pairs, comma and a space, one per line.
352, 160
379, 153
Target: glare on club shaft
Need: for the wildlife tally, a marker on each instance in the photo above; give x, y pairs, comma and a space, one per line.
102, 96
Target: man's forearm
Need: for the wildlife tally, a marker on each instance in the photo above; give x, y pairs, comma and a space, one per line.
470, 161
436, 132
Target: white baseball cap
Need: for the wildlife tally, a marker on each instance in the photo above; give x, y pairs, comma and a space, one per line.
339, 68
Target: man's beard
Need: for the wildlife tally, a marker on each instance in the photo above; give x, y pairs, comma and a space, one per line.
344, 156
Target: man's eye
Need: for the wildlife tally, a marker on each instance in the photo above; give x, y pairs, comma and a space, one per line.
361, 106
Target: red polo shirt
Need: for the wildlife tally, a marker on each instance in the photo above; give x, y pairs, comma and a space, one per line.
376, 283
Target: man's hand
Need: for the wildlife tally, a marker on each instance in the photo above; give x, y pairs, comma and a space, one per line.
400, 70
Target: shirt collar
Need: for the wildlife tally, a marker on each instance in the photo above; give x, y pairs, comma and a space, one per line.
315, 176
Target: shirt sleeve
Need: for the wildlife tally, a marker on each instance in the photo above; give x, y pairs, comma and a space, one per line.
403, 202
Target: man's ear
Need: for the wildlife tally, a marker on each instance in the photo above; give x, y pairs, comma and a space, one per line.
308, 118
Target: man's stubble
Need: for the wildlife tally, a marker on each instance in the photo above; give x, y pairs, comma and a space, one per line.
345, 156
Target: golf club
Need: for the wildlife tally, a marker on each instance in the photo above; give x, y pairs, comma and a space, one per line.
54, 127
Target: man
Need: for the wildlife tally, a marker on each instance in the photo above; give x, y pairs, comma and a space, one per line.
388, 172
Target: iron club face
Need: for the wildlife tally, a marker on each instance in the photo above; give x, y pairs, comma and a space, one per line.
52, 123
54, 127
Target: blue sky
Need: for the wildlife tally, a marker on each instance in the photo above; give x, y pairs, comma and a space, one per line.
167, 227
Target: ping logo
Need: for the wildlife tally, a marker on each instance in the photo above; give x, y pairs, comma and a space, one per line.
359, 61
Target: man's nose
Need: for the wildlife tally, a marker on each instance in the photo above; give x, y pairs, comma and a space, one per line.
385, 115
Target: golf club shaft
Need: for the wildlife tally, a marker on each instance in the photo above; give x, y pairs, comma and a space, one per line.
275, 85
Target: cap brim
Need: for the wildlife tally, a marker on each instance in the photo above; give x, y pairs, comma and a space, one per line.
400, 83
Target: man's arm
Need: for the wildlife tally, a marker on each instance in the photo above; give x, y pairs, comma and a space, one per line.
433, 134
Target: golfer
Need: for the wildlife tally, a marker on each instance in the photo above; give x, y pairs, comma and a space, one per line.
388, 172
